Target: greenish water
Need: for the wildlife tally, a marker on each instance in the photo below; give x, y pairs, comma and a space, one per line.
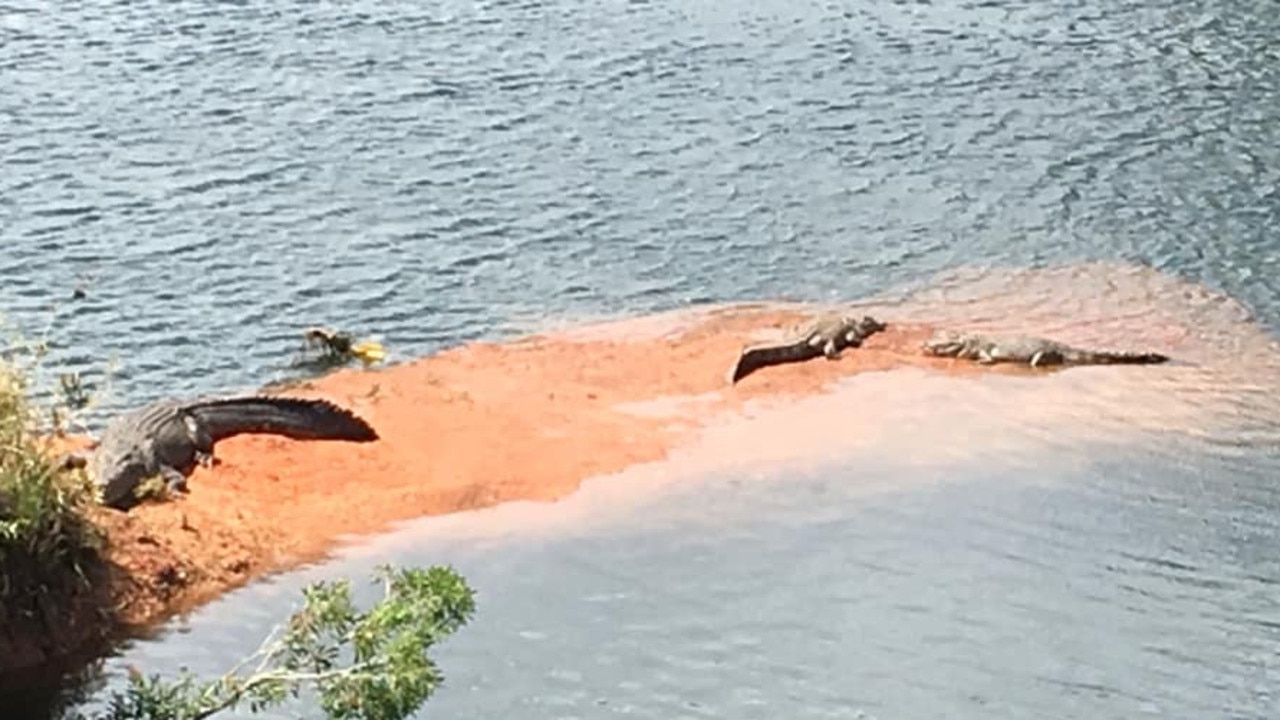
1099, 544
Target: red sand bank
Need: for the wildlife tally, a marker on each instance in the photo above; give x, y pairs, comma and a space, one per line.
466, 428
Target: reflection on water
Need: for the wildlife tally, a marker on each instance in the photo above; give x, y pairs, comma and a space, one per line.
1092, 585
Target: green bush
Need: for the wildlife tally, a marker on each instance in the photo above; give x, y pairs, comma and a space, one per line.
44, 536
46, 542
371, 665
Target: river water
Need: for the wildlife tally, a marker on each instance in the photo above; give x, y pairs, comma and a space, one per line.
217, 176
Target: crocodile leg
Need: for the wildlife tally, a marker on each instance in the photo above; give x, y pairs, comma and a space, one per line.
203, 443
71, 460
175, 481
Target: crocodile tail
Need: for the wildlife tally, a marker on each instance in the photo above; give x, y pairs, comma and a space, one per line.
297, 418
1122, 358
754, 358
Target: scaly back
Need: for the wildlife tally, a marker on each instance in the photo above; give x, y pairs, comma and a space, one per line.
125, 454
298, 418
141, 425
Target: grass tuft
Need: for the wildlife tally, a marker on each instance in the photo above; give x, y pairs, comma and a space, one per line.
45, 537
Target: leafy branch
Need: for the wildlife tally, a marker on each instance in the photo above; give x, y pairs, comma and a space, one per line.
388, 674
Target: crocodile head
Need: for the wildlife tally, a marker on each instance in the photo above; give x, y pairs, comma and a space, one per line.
868, 325
944, 343
116, 473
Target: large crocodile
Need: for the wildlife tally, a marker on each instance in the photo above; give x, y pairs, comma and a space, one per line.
1026, 349
170, 437
826, 336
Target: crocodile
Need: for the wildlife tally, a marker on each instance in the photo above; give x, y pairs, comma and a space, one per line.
1026, 349
826, 336
170, 437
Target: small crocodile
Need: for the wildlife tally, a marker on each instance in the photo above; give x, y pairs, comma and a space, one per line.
170, 437
826, 336
1025, 349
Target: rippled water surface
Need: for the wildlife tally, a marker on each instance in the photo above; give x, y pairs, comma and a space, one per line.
217, 176
228, 173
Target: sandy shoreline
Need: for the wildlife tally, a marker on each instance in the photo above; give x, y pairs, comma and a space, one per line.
467, 428
491, 422
464, 429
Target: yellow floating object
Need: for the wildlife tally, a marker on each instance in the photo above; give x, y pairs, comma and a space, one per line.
369, 352
343, 346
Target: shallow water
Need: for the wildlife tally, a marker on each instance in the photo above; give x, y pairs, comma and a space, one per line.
1092, 544
1074, 582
